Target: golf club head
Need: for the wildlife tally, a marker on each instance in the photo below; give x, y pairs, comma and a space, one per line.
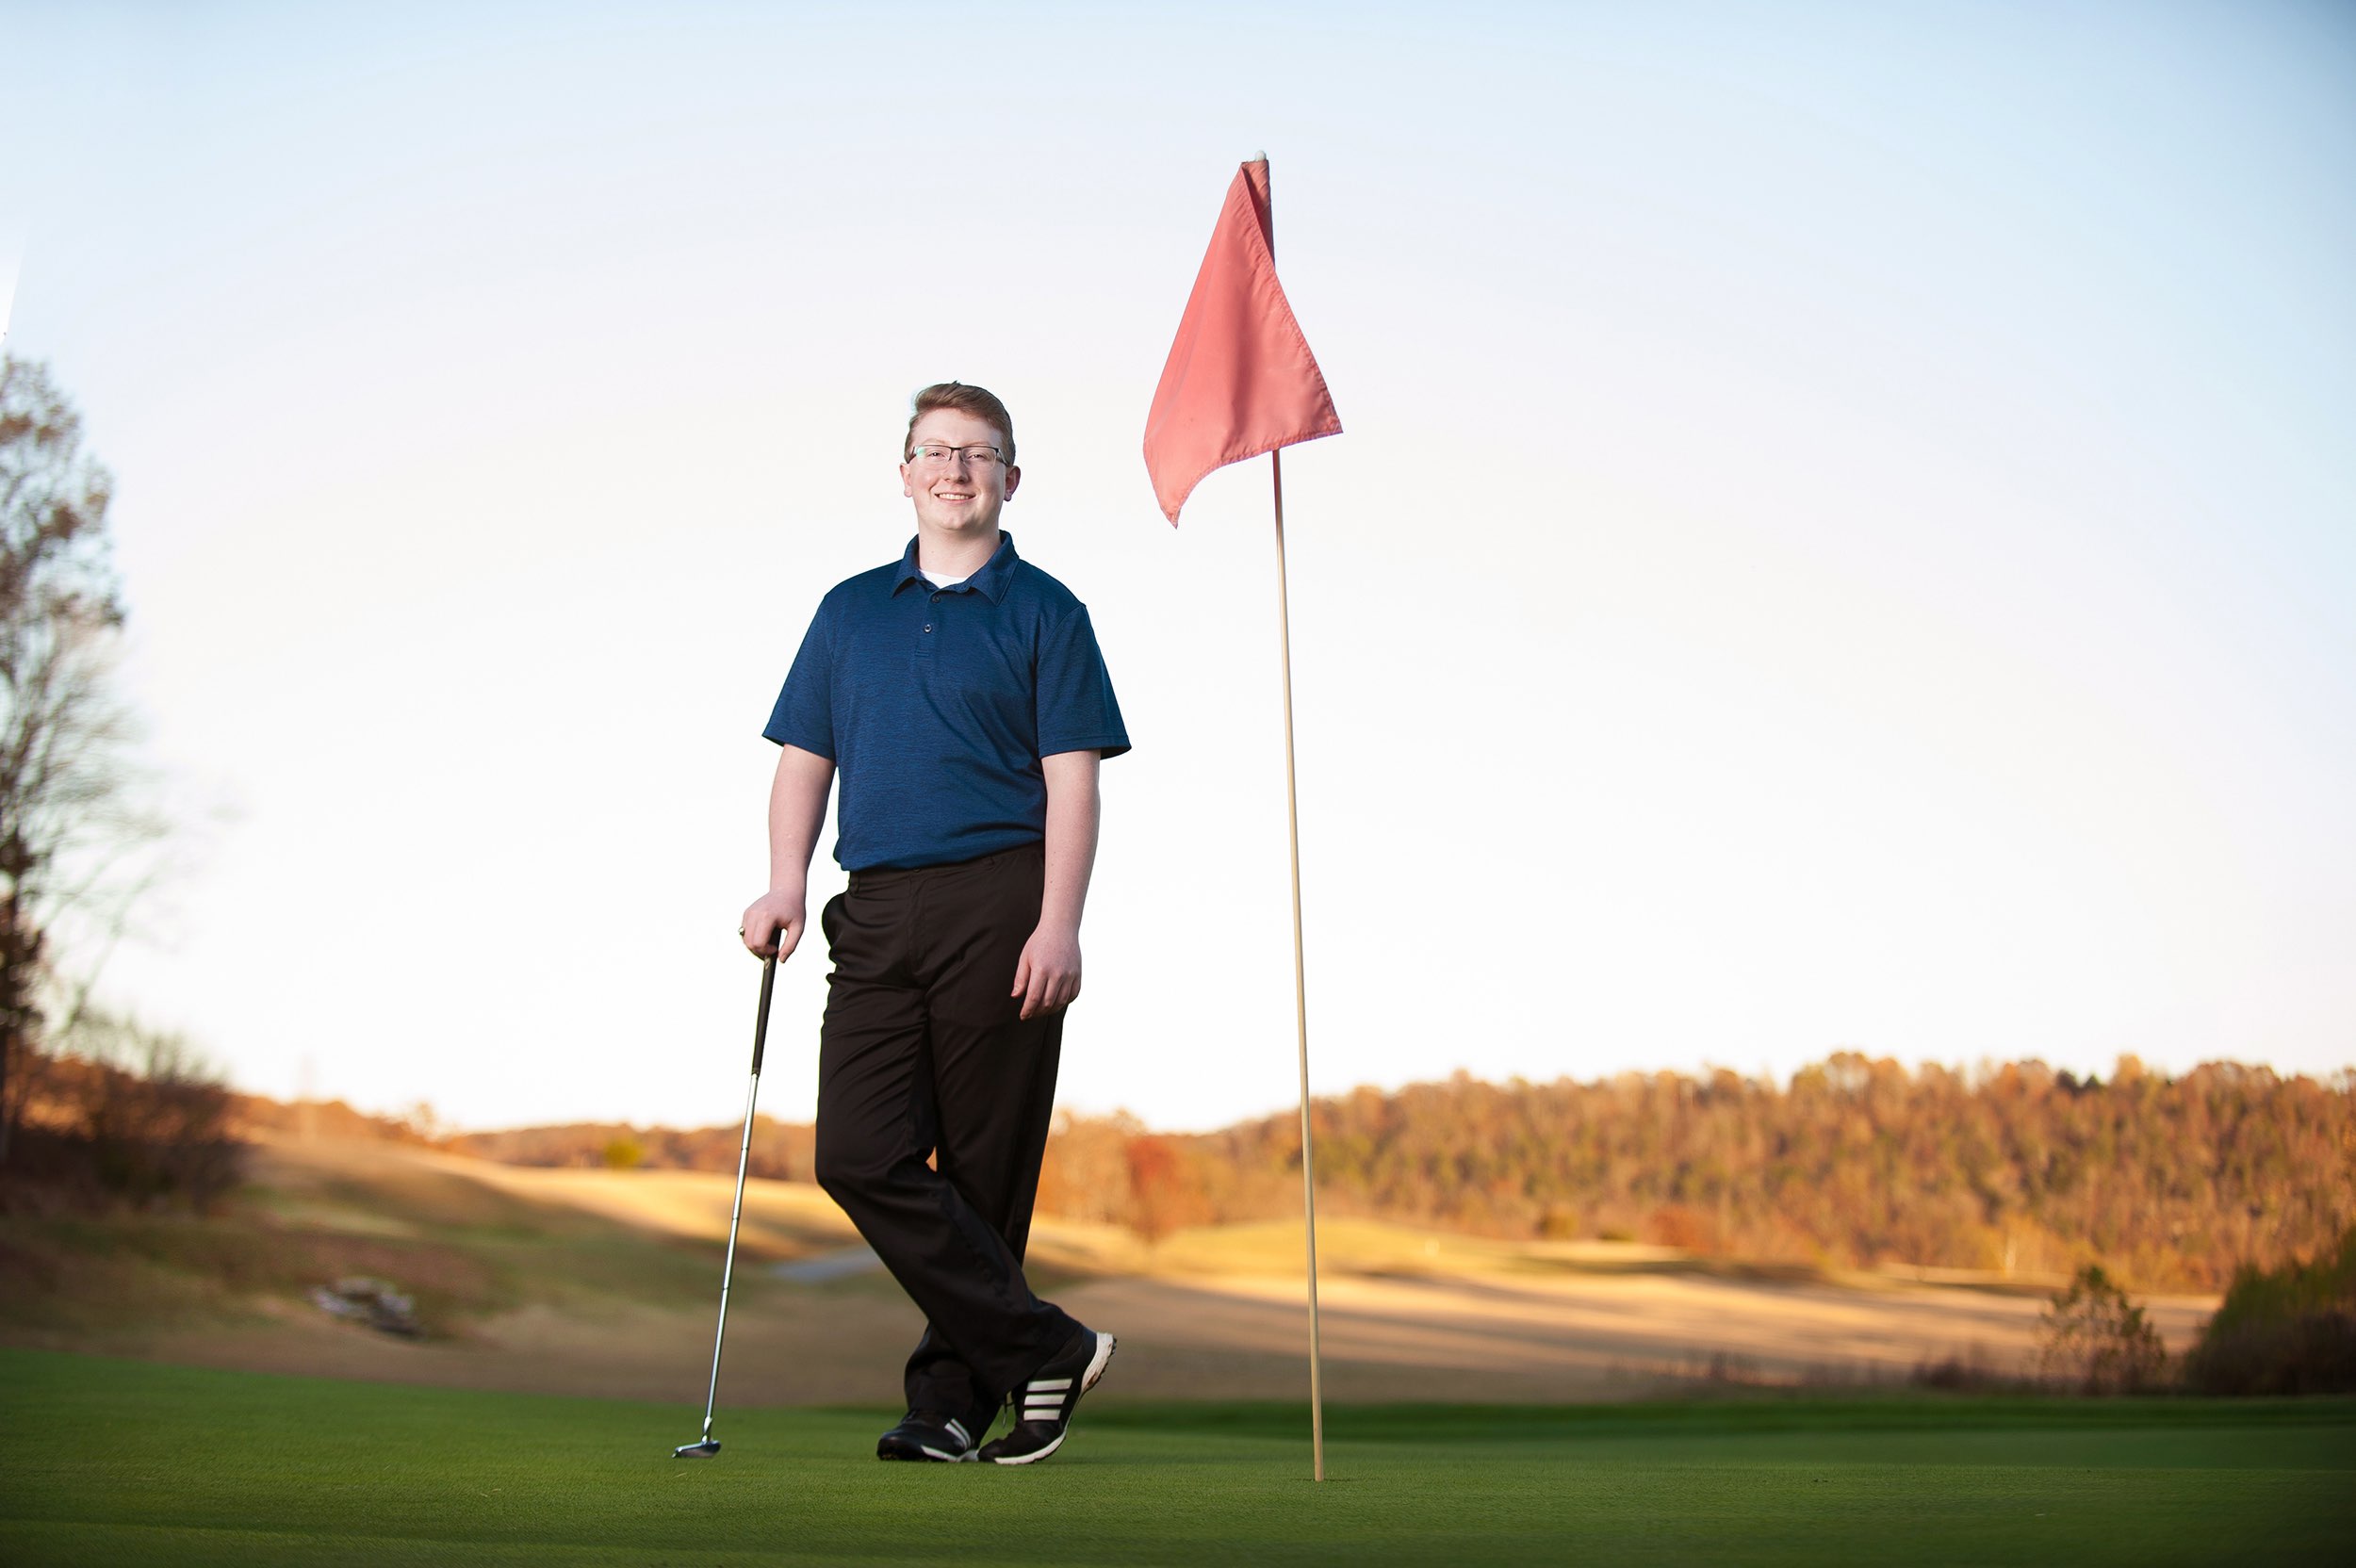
705, 1449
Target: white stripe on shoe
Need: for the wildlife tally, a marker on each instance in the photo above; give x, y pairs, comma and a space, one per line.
1046, 1410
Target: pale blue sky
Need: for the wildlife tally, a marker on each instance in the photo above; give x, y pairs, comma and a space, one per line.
1843, 536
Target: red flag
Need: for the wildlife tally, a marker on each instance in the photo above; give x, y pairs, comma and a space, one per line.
1240, 380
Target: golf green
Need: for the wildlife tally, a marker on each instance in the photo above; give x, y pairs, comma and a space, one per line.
122, 1462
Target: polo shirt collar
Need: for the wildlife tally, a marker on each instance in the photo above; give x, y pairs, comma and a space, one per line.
991, 581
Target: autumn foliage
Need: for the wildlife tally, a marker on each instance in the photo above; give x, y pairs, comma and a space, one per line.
2172, 1181
781, 1151
150, 1125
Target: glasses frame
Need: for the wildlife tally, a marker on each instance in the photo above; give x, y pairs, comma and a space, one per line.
979, 453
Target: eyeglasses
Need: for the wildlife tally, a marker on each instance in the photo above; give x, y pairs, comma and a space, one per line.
944, 457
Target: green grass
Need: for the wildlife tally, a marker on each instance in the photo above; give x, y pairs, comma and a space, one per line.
124, 1462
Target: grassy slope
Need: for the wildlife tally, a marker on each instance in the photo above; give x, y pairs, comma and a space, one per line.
463, 1248
125, 1463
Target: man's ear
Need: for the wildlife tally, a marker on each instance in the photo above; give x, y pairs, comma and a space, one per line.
1014, 477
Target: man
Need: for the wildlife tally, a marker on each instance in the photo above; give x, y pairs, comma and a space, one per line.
960, 694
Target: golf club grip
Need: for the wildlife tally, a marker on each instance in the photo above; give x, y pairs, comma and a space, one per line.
760, 1020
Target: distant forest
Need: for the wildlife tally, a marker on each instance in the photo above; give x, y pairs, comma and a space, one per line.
2017, 1168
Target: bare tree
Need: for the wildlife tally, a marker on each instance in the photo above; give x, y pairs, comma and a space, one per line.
66, 813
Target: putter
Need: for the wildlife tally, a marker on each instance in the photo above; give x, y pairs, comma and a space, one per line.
709, 1444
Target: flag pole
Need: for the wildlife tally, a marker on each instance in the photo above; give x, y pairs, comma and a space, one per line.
1301, 983
1240, 381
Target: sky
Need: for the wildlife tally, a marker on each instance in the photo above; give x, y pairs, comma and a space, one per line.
1844, 535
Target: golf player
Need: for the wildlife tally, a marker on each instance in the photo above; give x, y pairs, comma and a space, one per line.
960, 694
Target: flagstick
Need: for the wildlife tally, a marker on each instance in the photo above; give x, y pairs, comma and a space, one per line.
1300, 982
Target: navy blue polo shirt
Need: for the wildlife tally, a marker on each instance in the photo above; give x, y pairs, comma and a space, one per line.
936, 704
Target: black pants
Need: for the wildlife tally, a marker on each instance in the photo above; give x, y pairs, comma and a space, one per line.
924, 1052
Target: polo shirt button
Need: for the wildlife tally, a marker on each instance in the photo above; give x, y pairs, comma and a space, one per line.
928, 626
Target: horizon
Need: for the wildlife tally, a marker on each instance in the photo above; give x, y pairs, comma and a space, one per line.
1974, 1075
1840, 540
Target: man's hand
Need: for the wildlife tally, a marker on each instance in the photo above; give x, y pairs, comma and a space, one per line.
773, 923
1048, 975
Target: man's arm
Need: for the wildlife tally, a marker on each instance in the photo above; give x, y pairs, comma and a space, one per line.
1048, 975
797, 808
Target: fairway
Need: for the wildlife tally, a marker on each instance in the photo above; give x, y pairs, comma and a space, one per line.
122, 1463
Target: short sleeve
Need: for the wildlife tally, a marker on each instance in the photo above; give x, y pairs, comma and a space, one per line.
804, 715
1077, 711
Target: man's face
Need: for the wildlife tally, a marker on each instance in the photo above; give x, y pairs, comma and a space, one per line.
958, 498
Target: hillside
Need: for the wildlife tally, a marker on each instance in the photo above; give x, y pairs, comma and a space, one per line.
605, 1282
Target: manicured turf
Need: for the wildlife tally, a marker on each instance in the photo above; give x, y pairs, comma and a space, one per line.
122, 1462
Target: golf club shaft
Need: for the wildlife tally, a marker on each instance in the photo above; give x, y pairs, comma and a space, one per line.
743, 1158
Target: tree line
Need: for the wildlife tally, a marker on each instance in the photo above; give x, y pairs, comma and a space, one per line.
2171, 1181
2016, 1169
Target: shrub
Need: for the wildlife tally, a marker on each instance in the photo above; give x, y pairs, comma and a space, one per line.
132, 1114
2096, 1340
2285, 1331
